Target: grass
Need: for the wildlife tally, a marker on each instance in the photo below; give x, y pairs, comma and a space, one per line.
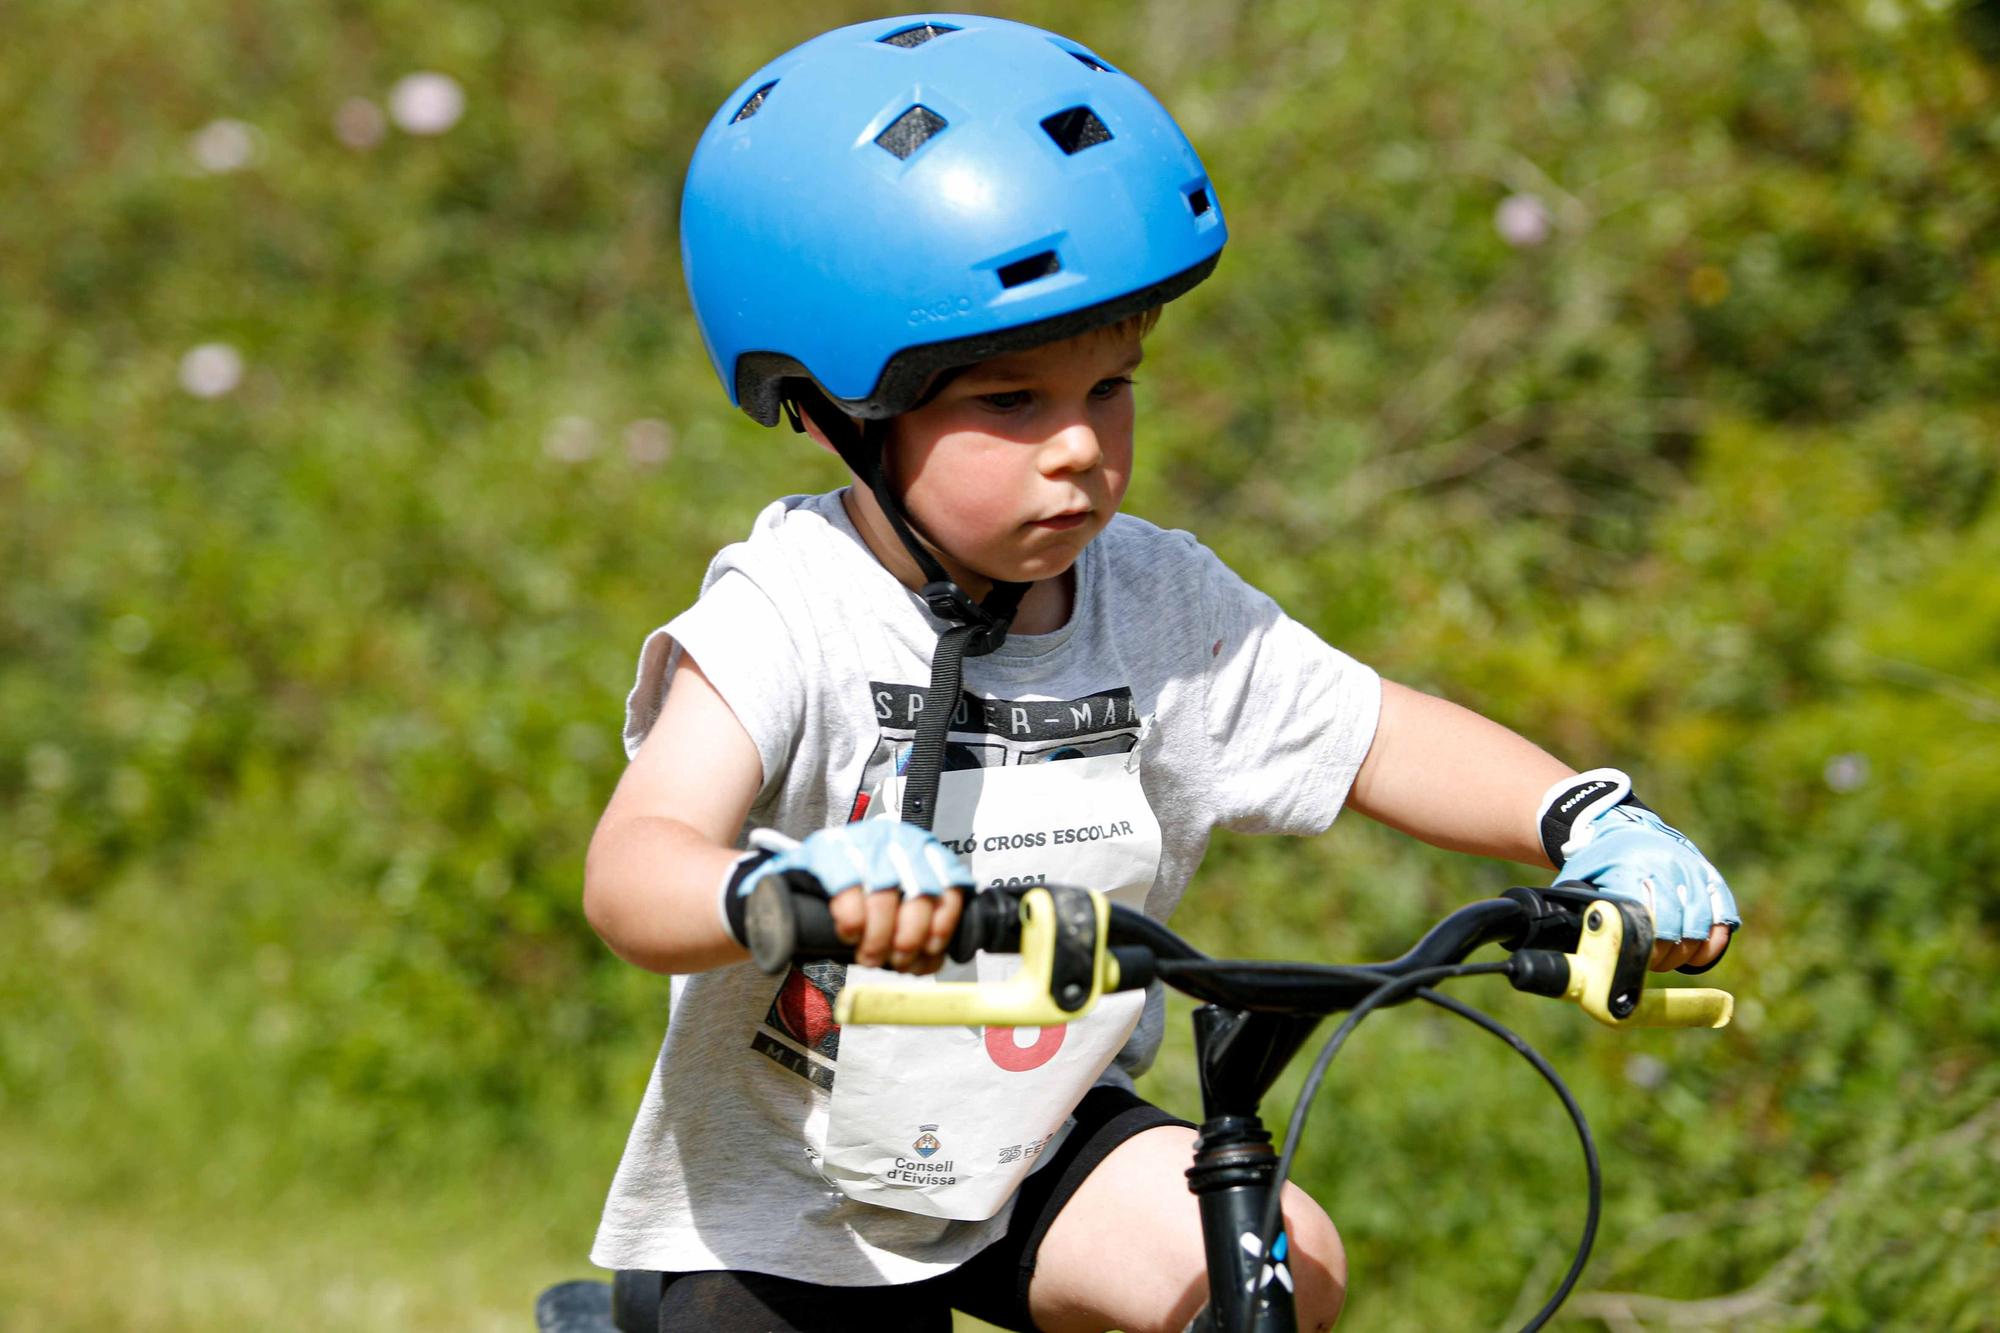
379, 1258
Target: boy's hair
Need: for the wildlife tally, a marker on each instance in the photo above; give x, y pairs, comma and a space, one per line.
1136, 326
1139, 325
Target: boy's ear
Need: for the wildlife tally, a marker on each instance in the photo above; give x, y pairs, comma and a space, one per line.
818, 437
803, 423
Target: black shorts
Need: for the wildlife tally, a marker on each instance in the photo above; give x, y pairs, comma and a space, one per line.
992, 1285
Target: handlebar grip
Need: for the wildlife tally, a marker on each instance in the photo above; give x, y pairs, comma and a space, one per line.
1683, 1007
1607, 976
787, 919
787, 922
1065, 968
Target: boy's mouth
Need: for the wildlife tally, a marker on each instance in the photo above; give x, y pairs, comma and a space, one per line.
1062, 522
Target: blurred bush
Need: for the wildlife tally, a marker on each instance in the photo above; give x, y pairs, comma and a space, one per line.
1625, 372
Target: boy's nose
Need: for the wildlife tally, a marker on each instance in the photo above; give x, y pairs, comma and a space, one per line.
1074, 448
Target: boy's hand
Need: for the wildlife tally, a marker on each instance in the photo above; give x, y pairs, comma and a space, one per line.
1594, 831
860, 867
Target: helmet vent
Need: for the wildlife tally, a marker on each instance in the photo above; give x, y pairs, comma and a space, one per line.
1027, 270
911, 130
751, 106
1198, 200
917, 35
1090, 62
1076, 129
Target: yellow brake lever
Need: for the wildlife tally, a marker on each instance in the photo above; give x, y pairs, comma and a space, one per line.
1593, 975
1029, 998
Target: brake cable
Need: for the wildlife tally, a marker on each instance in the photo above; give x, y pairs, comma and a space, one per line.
1397, 988
1590, 1163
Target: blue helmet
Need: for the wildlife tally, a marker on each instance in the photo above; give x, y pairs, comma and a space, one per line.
896, 198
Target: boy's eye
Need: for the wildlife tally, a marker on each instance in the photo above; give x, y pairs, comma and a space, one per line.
1013, 400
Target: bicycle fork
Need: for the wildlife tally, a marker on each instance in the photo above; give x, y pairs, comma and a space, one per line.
1239, 1055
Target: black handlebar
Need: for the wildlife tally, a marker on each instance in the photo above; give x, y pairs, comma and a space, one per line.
792, 922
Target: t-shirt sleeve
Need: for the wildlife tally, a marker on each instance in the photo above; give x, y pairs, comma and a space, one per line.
1289, 717
744, 648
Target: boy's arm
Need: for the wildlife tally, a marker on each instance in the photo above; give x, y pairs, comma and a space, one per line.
652, 881
1446, 775
656, 863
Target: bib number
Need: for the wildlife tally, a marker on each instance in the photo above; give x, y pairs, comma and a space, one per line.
948, 1121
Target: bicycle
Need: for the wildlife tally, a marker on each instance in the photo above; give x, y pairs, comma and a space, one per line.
1564, 942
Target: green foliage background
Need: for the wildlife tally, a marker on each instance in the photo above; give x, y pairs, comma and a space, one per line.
309, 693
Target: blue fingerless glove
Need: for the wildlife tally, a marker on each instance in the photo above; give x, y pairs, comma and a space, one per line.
873, 853
1594, 829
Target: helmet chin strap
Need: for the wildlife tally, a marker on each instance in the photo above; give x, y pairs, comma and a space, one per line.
977, 628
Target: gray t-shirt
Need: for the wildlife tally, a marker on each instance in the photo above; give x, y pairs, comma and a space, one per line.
1238, 716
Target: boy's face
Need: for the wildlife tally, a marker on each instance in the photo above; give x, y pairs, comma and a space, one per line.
1021, 460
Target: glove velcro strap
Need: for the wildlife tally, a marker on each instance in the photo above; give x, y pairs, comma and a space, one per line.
734, 901
1576, 801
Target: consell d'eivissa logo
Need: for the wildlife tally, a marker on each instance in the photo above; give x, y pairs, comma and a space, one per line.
921, 1170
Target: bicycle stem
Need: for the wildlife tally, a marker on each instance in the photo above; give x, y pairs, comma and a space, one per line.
1239, 1055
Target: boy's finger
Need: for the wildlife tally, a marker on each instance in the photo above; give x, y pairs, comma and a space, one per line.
880, 926
913, 925
849, 912
1711, 948
944, 921
1670, 954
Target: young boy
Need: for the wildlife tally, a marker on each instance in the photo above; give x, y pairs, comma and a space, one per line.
937, 244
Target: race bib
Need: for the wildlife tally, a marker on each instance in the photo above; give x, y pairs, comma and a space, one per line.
948, 1121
